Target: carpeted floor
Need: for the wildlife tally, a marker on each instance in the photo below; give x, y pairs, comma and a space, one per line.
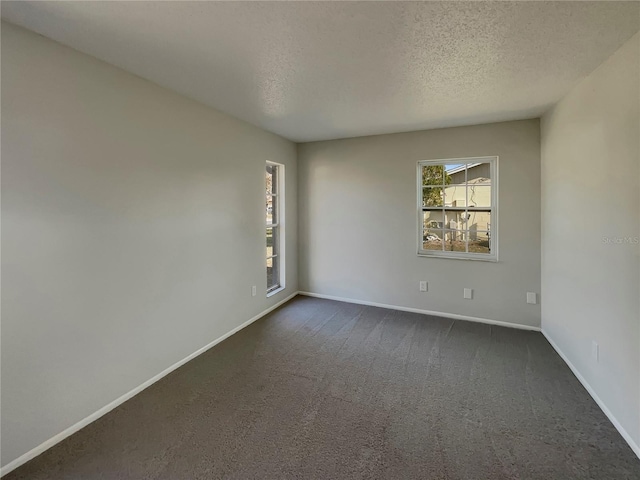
328, 390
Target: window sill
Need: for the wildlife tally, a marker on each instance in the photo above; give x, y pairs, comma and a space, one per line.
273, 292
473, 258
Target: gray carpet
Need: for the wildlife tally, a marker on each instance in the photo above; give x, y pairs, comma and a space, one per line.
328, 390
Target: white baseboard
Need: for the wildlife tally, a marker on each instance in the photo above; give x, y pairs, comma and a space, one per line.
594, 395
454, 316
118, 401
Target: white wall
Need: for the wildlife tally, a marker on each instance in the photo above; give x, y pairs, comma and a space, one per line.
357, 222
591, 201
132, 231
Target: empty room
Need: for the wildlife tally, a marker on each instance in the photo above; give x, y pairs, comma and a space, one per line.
320, 240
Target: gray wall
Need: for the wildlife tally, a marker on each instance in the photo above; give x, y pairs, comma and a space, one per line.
357, 222
133, 229
590, 206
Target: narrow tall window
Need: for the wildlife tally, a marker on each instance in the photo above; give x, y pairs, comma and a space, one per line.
275, 227
457, 208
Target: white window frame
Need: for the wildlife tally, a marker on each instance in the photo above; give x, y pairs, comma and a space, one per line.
487, 257
279, 257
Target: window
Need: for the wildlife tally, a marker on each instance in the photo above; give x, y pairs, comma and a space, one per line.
457, 208
275, 227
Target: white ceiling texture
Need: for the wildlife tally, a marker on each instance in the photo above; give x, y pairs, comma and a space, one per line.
323, 70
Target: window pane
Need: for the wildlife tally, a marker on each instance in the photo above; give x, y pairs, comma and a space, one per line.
272, 241
272, 179
432, 175
480, 242
272, 207
433, 219
273, 275
432, 197
454, 174
478, 195
454, 195
478, 220
480, 173
454, 219
432, 239
455, 241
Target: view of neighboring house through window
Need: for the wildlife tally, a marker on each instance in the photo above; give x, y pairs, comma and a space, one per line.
457, 208
275, 217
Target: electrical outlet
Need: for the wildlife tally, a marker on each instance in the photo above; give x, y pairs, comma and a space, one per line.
595, 351
531, 298
468, 293
254, 291
423, 286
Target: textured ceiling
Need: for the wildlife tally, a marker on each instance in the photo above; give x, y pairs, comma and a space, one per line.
312, 71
